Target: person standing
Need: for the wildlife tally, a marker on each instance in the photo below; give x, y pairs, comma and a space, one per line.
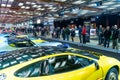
34, 32
80, 33
115, 37
107, 35
72, 34
84, 34
58, 32
100, 35
67, 31
63, 33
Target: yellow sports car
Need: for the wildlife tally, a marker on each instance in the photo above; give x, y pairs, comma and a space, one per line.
39, 41
12, 43
51, 63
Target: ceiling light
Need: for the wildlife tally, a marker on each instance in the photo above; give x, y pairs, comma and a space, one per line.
39, 6
39, 13
40, 9
3, 5
8, 5
11, 0
28, 13
20, 4
27, 2
51, 5
46, 5
33, 3
10, 11
23, 7
5, 12
50, 8
27, 7
24, 12
53, 10
36, 13
65, 15
19, 13
14, 11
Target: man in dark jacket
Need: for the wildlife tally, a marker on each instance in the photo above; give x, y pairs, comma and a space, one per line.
107, 35
72, 34
100, 35
80, 33
115, 37
58, 32
63, 33
67, 31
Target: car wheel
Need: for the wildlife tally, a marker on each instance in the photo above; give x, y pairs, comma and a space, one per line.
112, 74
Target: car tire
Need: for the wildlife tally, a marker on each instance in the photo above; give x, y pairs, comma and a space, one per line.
112, 74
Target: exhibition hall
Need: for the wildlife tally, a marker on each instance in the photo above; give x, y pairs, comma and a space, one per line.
59, 39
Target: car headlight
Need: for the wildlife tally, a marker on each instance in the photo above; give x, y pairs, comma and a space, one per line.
2, 76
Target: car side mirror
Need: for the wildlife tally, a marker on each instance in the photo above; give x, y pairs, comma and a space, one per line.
97, 66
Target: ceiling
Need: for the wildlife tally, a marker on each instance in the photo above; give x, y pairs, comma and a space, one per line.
14, 11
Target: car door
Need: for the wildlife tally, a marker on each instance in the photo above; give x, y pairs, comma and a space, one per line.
63, 67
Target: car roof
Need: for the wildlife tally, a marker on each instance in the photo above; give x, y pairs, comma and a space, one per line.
19, 56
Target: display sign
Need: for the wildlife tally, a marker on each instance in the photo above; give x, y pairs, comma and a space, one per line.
92, 32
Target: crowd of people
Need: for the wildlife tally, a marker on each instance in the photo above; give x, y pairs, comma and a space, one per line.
105, 34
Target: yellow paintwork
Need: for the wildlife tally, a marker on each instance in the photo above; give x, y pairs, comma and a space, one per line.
12, 45
38, 41
35, 41
21, 36
87, 73
1, 41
